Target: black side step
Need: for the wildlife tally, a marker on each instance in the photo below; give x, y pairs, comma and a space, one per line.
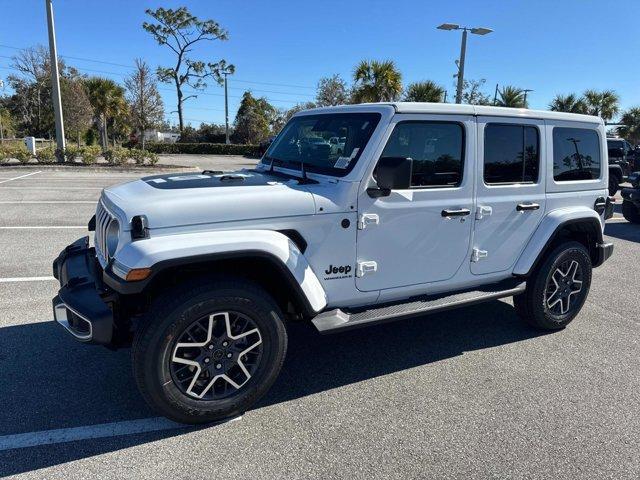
337, 320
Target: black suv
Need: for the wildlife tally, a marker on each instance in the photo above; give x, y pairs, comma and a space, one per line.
631, 199
623, 160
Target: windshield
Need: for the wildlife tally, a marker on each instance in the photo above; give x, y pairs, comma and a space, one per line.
308, 139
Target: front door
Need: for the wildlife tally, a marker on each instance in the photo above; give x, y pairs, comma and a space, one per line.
510, 190
420, 234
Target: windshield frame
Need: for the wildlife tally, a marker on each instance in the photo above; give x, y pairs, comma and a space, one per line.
375, 119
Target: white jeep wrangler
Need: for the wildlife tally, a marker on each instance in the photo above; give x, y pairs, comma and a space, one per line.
426, 207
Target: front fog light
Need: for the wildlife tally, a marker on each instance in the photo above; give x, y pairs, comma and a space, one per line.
112, 236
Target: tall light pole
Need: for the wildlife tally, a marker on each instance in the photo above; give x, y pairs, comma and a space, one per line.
1, 132
526, 91
55, 83
225, 72
463, 50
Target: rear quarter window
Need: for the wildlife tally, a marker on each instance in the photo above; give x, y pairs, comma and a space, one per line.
576, 154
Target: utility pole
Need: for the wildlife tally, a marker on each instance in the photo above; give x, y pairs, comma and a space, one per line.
55, 83
1, 132
526, 91
226, 72
495, 95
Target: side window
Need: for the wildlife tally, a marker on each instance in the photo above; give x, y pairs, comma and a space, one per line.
511, 154
576, 154
437, 150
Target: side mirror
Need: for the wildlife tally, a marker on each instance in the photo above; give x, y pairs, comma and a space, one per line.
391, 173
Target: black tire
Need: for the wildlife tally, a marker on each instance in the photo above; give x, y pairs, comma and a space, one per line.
158, 359
614, 186
630, 211
533, 306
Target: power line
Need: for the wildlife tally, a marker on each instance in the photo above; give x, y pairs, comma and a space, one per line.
133, 66
194, 92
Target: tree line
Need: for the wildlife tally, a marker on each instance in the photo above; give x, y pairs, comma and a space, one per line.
99, 110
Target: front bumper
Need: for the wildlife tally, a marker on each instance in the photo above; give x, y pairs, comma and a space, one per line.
80, 305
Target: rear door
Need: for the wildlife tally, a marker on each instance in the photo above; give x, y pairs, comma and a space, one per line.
510, 190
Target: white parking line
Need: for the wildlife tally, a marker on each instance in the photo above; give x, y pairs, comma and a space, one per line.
25, 279
46, 202
62, 435
42, 227
21, 176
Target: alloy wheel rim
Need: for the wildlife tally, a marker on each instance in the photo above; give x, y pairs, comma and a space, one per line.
216, 355
564, 287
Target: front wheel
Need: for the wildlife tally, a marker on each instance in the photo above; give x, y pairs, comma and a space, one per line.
210, 351
557, 290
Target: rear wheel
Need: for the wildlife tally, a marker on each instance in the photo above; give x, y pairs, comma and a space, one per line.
630, 211
557, 290
210, 352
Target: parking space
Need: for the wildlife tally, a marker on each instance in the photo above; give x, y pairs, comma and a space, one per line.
471, 393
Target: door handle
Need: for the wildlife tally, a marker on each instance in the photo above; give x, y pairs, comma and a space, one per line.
456, 213
522, 207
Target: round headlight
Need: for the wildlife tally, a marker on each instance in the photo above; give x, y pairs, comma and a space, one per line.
112, 236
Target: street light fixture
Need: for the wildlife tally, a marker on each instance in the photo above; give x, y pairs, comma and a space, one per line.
463, 50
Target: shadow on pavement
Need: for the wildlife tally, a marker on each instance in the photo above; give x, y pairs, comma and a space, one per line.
49, 381
624, 231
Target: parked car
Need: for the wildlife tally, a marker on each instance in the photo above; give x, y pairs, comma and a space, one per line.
631, 199
432, 207
624, 154
623, 160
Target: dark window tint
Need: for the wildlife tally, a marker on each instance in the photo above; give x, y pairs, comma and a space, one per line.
576, 154
511, 154
436, 149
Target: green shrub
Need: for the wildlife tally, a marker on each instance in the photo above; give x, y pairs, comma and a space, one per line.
22, 154
90, 154
205, 149
72, 153
151, 157
6, 153
46, 155
137, 155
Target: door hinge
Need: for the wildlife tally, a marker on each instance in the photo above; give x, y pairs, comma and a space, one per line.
368, 219
478, 255
483, 211
365, 268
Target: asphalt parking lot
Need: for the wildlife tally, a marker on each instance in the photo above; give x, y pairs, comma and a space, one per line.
471, 393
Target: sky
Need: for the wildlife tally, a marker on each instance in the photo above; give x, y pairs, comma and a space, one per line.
282, 48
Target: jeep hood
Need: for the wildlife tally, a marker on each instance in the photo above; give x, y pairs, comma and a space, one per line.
181, 199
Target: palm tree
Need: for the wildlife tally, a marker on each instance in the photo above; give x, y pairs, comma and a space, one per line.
570, 103
605, 104
427, 91
630, 125
376, 81
108, 102
513, 97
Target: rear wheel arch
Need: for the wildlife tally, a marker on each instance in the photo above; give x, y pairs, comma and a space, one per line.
586, 231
